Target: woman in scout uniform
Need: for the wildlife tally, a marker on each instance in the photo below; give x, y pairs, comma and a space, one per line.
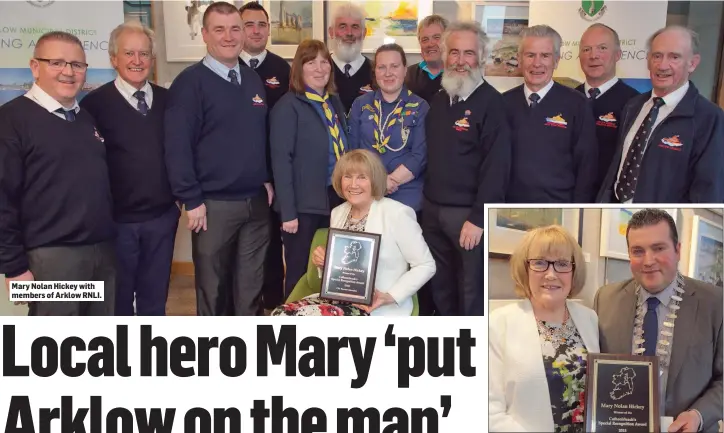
307, 138
391, 123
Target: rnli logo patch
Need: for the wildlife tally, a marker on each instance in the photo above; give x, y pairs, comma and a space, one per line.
607, 121
272, 83
257, 101
671, 143
557, 121
365, 89
461, 125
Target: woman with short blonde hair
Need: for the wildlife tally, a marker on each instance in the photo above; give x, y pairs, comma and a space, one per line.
538, 345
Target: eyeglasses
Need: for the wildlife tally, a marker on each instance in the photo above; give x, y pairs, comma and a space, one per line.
59, 65
540, 265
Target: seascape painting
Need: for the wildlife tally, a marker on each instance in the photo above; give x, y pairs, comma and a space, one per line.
526, 219
504, 37
390, 22
291, 22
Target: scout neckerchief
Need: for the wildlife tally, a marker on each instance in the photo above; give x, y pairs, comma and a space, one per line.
337, 141
397, 115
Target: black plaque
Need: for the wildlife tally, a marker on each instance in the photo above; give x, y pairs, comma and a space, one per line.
350, 266
622, 394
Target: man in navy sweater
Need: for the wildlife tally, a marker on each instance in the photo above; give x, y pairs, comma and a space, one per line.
129, 113
554, 138
274, 72
215, 140
56, 216
671, 146
599, 51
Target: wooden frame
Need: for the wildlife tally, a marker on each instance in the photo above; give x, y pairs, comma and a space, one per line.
502, 240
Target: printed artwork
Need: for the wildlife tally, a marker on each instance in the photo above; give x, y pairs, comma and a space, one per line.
391, 18
504, 34
527, 219
291, 22
707, 252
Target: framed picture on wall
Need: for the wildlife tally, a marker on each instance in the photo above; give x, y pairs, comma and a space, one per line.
291, 22
613, 231
705, 256
389, 22
183, 21
508, 226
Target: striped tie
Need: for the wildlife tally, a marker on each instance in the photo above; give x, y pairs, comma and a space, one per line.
331, 122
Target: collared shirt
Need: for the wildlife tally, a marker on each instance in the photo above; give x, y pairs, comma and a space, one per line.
48, 102
542, 92
464, 98
423, 66
356, 63
127, 91
221, 69
602, 88
671, 101
246, 57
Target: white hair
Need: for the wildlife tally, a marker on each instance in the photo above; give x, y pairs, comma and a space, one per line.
131, 26
542, 31
466, 26
349, 10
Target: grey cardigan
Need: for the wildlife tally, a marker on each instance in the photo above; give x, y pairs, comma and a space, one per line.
299, 142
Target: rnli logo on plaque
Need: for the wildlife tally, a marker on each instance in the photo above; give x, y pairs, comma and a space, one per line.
272, 82
672, 143
257, 101
461, 125
41, 3
607, 120
557, 121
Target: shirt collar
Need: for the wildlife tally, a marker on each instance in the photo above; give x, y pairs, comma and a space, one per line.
356, 63
129, 90
423, 66
46, 101
401, 97
219, 67
673, 98
465, 98
603, 87
246, 57
664, 296
542, 92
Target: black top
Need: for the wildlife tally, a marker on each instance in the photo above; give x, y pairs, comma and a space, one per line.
274, 73
607, 114
419, 82
54, 186
134, 142
358, 84
468, 151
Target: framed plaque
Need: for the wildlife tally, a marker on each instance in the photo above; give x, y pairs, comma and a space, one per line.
622, 394
350, 266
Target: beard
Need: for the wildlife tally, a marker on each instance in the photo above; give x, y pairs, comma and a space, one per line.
347, 52
460, 85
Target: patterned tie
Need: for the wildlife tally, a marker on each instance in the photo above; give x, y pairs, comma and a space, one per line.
254, 63
632, 166
69, 114
142, 106
337, 141
593, 93
455, 99
347, 68
534, 98
651, 327
234, 78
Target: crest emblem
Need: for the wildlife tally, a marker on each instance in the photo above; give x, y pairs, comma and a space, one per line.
41, 3
592, 10
272, 82
257, 100
461, 125
672, 143
557, 121
607, 120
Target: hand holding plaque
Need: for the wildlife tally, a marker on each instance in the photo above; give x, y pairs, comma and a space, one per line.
350, 265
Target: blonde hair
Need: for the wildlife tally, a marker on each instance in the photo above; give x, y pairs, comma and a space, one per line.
551, 240
361, 161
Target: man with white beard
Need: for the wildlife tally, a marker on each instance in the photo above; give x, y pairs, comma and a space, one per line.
468, 164
352, 70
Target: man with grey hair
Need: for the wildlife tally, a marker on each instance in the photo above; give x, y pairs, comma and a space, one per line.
56, 221
667, 130
554, 138
468, 161
129, 113
424, 78
352, 70
599, 51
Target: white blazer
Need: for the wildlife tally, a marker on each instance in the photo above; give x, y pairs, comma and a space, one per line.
518, 389
405, 262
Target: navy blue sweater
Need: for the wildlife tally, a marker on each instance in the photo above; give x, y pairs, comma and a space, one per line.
554, 147
215, 136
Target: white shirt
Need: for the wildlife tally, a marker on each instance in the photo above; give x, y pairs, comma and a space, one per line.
603, 87
671, 101
246, 57
464, 98
542, 92
356, 63
48, 102
127, 92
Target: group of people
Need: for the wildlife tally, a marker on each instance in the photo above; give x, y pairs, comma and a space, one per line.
538, 346
247, 146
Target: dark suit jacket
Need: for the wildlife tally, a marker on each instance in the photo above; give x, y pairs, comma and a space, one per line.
695, 373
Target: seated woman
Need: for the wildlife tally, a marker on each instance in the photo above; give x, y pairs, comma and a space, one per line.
538, 346
405, 263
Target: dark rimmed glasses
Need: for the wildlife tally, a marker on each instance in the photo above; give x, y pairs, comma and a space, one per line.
59, 65
561, 266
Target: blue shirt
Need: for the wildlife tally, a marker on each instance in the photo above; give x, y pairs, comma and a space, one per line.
410, 152
332, 160
221, 69
423, 66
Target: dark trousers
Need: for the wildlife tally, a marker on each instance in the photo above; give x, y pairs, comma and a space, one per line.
273, 289
229, 257
457, 286
145, 254
425, 302
95, 262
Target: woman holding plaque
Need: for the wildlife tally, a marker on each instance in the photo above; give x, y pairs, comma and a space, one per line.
404, 262
307, 137
538, 345
391, 123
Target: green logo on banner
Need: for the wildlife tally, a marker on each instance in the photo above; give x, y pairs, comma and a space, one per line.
592, 10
